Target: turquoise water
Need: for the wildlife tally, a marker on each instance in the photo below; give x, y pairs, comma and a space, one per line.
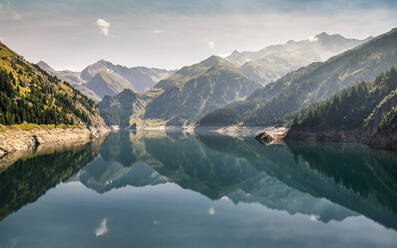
176, 190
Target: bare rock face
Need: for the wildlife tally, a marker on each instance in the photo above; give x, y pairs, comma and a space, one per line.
272, 135
20, 141
265, 138
2, 152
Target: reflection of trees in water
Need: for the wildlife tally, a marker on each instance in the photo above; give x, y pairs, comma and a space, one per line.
356, 167
28, 179
349, 175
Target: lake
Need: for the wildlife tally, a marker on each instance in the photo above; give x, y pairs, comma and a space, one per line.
154, 189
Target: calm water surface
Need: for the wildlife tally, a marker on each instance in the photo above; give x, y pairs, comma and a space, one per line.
176, 190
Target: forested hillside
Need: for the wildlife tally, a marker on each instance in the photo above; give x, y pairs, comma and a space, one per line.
367, 110
29, 94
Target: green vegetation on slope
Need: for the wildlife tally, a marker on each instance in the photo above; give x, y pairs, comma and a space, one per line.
368, 107
311, 84
351, 108
28, 94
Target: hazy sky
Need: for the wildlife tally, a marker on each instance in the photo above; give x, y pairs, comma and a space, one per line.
70, 34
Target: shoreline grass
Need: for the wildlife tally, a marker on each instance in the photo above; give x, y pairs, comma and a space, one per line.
30, 126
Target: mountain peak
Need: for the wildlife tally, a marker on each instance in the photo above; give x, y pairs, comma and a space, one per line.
322, 35
214, 61
44, 66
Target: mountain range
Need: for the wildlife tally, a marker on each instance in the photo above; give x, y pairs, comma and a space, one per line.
184, 97
273, 62
104, 78
196, 90
310, 84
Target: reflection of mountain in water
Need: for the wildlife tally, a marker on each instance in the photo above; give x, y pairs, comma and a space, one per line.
186, 161
103, 176
327, 182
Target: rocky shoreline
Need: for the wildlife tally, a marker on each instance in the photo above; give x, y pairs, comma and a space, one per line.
18, 141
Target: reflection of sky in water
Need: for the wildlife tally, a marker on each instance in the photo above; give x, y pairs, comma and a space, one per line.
168, 216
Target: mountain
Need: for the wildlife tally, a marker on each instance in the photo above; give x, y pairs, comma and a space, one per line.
117, 110
66, 75
104, 83
29, 94
183, 97
364, 113
310, 84
103, 78
198, 89
140, 78
275, 61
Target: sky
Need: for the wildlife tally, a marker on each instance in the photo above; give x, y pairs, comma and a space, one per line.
71, 34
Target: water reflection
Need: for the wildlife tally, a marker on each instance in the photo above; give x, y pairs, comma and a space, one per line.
176, 179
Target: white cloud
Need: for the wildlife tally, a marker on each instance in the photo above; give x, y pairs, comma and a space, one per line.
103, 25
157, 31
211, 211
102, 228
211, 44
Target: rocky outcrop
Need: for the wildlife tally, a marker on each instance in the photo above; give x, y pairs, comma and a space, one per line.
18, 142
272, 135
